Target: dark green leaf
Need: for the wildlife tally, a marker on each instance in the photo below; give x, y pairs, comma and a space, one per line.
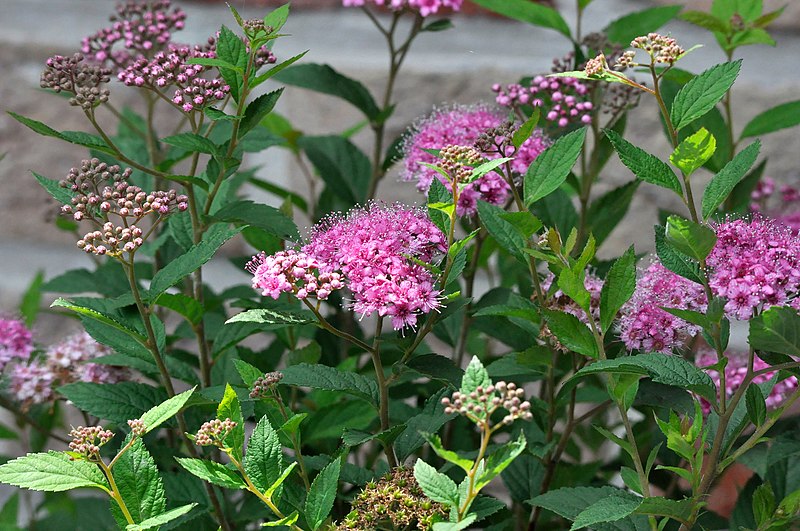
322, 494
192, 142
645, 166
705, 20
606, 212
572, 333
344, 168
32, 299
324, 377
257, 109
723, 183
756, 405
524, 131
610, 509
277, 69
117, 402
51, 472
430, 419
139, 484
619, 286
702, 93
264, 217
186, 306
779, 117
62, 195
504, 232
550, 169
676, 262
776, 330
263, 459
624, 29
690, 238
212, 472
73, 137
530, 12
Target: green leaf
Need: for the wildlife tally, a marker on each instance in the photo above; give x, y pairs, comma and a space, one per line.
276, 69
550, 169
500, 459
139, 484
278, 482
504, 232
154, 417
182, 304
776, 330
257, 109
661, 368
448, 455
192, 142
324, 79
702, 93
73, 137
455, 526
331, 379
286, 521
779, 117
676, 262
756, 405
525, 130
690, 238
264, 217
436, 486
611, 509
694, 151
624, 29
530, 12
272, 317
117, 402
723, 183
230, 408
430, 419
645, 166
475, 376
569, 502
322, 494
705, 20
606, 212
62, 195
344, 168
619, 286
51, 472
248, 372
161, 519
262, 462
679, 510
101, 317
32, 299
180, 267
572, 333
212, 472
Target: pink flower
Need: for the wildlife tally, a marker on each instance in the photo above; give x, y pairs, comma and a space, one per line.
16, 341
292, 271
424, 7
563, 100
559, 301
735, 372
645, 326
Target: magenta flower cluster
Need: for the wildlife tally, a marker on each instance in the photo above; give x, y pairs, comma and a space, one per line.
424, 7
558, 300
463, 125
564, 100
292, 272
68, 361
735, 372
755, 264
16, 341
782, 207
644, 325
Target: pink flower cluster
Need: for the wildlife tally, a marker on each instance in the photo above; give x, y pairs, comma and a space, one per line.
559, 301
372, 247
141, 28
563, 100
735, 372
16, 341
292, 272
63, 363
645, 326
783, 208
755, 264
424, 7
463, 125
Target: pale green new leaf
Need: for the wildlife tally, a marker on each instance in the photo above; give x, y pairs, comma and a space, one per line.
272, 317
230, 408
690, 238
212, 472
474, 376
161, 519
286, 521
448, 455
694, 151
436, 486
156, 416
499, 460
51, 472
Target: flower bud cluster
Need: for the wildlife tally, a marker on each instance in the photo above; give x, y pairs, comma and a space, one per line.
263, 385
73, 75
663, 50
626, 60
596, 66
480, 404
112, 240
295, 272
563, 100
142, 28
396, 501
213, 432
87, 441
458, 162
137, 427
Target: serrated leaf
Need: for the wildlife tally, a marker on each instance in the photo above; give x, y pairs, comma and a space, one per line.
723, 183
448, 455
264, 217
182, 304
248, 372
212, 472
154, 417
101, 317
504, 232
230, 408
569, 502
286, 521
705, 20
73, 137
192, 142
694, 151
272, 317
661, 368
702, 93
180, 267
500, 459
436, 486
606, 212
475, 376
532, 13
572, 333
322, 494
679, 510
139, 484
610, 509
276, 69
619, 285
550, 169
257, 109
430, 419
676, 262
262, 462
525, 130
690, 238
331, 379
645, 166
756, 405
161, 519
276, 18
62, 195
51, 472
324, 79
776, 330
779, 117
624, 29
343, 166
117, 402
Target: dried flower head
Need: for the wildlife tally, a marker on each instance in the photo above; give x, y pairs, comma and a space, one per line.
73, 75
479, 405
264, 385
213, 432
87, 441
396, 501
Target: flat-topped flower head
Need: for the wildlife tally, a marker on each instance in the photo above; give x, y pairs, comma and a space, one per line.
755, 264
479, 405
293, 272
564, 101
735, 372
16, 341
423, 7
374, 248
645, 326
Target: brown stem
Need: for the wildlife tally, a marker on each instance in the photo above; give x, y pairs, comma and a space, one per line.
375, 352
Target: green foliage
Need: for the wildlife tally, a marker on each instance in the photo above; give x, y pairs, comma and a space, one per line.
626, 28
692, 239
694, 151
329, 378
139, 484
212, 472
436, 486
702, 93
51, 472
644, 165
115, 402
532, 13
322, 494
723, 183
550, 169
262, 462
572, 333
779, 117
618, 288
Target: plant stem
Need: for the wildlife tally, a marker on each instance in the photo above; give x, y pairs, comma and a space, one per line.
486, 435
335, 331
375, 352
115, 494
298, 453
